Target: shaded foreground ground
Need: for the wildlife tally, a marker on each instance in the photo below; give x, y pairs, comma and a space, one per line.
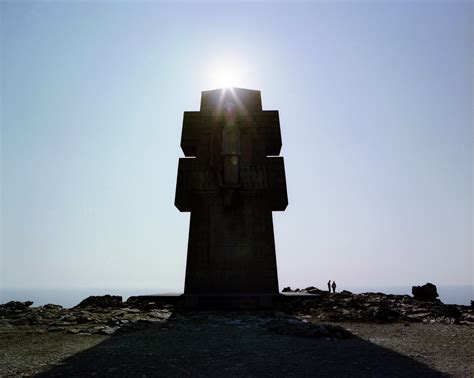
236, 344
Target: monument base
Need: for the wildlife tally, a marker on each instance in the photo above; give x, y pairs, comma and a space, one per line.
230, 302
234, 301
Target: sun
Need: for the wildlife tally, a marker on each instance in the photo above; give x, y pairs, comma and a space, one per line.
227, 77
227, 72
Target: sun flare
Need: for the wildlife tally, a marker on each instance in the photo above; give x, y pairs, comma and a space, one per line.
227, 73
227, 77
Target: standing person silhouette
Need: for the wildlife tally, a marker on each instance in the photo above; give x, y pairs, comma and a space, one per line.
333, 286
329, 285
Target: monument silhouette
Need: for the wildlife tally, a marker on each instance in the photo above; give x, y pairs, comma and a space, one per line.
231, 180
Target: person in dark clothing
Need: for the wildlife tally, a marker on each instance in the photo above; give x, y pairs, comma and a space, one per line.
329, 285
333, 286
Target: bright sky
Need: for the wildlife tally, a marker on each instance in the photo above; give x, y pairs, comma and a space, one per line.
376, 111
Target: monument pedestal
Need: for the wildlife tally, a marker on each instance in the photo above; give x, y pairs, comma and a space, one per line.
224, 302
233, 301
231, 250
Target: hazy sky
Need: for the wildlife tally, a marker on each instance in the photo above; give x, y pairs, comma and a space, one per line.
376, 112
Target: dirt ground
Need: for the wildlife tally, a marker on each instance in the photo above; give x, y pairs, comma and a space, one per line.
236, 344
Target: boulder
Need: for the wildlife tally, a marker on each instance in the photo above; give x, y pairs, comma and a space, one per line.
426, 292
314, 290
385, 314
287, 290
297, 327
16, 306
102, 301
450, 311
52, 307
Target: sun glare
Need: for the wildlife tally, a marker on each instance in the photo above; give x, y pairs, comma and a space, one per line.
227, 77
227, 73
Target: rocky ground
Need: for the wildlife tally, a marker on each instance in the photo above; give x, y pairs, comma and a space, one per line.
343, 334
377, 308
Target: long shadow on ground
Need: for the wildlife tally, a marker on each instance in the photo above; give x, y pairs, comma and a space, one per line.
230, 344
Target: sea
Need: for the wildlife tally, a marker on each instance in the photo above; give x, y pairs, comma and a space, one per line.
460, 294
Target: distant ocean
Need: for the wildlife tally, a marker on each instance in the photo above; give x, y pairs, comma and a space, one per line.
70, 297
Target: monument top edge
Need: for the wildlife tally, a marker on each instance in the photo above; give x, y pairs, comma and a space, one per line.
244, 98
225, 89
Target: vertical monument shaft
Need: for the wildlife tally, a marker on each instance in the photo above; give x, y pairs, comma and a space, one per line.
231, 180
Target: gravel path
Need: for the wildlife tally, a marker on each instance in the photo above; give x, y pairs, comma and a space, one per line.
443, 347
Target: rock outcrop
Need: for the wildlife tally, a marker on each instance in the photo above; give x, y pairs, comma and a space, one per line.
295, 315
15, 306
374, 307
427, 292
97, 317
102, 301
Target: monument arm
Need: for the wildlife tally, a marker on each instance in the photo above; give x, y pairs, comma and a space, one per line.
276, 182
268, 124
184, 184
195, 126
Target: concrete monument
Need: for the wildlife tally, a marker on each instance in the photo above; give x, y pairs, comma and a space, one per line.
231, 180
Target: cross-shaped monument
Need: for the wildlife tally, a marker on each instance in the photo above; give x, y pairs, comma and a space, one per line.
231, 180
